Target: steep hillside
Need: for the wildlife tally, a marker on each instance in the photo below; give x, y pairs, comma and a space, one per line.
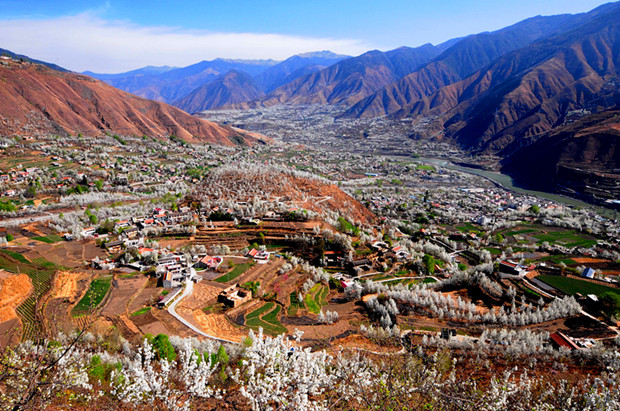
350, 80
456, 63
4, 52
262, 184
581, 157
295, 67
231, 88
531, 90
35, 99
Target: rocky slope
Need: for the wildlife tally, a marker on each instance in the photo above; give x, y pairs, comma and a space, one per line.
581, 157
295, 67
529, 91
35, 99
350, 80
231, 88
456, 63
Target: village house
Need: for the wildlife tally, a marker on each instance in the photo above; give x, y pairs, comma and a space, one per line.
561, 340
234, 296
209, 262
90, 231
114, 246
130, 233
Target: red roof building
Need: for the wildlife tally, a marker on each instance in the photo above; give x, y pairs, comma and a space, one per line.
560, 340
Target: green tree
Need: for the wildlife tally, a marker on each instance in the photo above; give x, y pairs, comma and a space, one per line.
31, 191
222, 356
9, 237
163, 348
534, 209
611, 303
7, 206
429, 263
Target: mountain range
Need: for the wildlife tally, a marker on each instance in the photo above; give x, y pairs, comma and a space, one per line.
36, 99
496, 93
485, 91
170, 84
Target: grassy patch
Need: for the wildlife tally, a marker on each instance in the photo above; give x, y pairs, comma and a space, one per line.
429, 329
272, 316
524, 231
16, 256
267, 318
425, 167
97, 291
573, 286
493, 250
260, 311
559, 259
234, 273
467, 228
316, 298
141, 311
565, 238
49, 239
295, 304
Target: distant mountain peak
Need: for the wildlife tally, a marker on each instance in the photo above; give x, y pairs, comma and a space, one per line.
323, 54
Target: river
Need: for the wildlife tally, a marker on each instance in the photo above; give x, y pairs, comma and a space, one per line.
507, 182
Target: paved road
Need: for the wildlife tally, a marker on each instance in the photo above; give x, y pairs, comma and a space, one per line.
408, 278
45, 216
189, 288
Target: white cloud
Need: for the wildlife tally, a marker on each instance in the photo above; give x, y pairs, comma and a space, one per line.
86, 42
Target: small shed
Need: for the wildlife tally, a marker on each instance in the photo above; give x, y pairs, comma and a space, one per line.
588, 273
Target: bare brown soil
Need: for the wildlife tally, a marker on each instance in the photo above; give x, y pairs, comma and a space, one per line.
70, 254
129, 324
174, 326
146, 296
13, 291
149, 324
65, 285
10, 332
218, 325
587, 260
122, 290
57, 309
203, 295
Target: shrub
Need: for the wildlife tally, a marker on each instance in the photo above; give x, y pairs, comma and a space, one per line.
163, 348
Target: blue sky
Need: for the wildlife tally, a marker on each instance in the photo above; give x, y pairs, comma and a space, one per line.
114, 36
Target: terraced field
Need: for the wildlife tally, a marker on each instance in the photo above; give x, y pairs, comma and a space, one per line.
97, 291
316, 298
296, 305
41, 273
266, 316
